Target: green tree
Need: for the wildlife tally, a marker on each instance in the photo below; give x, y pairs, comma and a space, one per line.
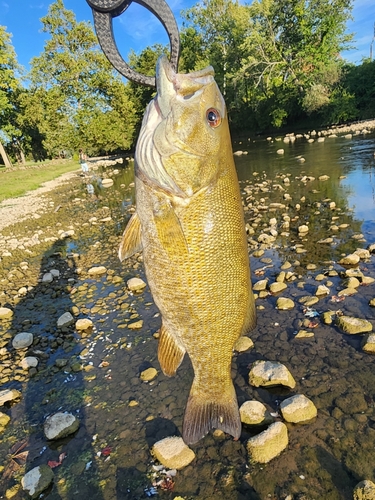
77, 90
9, 89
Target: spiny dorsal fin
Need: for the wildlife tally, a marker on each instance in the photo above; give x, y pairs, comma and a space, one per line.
131, 238
170, 352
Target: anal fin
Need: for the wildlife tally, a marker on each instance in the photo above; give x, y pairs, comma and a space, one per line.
170, 352
131, 238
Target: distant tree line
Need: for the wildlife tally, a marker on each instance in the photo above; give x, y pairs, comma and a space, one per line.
277, 63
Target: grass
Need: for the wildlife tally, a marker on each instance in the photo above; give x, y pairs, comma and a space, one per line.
14, 183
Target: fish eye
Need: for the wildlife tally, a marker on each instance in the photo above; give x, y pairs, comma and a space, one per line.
213, 117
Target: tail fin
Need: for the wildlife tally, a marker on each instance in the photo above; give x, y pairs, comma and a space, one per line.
203, 414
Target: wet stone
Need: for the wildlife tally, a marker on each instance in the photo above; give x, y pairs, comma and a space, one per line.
29, 362
284, 304
270, 373
173, 453
268, 444
298, 409
243, 344
37, 480
149, 374
352, 325
255, 413
22, 340
65, 320
5, 313
60, 425
368, 343
135, 284
349, 260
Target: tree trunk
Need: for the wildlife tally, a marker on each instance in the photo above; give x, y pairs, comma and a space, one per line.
4, 156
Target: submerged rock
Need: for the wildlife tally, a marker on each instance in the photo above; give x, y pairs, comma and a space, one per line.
83, 324
60, 425
37, 480
173, 453
64, 320
97, 270
149, 374
298, 408
136, 284
4, 421
22, 340
268, 444
365, 490
255, 413
349, 260
353, 326
368, 343
284, 304
270, 373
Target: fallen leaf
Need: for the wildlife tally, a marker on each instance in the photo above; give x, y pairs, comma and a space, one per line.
53, 464
106, 451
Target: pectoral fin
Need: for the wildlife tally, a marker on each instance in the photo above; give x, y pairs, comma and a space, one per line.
170, 352
169, 229
131, 238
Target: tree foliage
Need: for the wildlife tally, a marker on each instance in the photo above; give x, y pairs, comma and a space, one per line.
276, 62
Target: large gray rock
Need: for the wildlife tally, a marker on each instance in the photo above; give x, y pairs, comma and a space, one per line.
22, 340
270, 373
37, 480
60, 425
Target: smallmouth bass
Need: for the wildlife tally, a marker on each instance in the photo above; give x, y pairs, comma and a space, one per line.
189, 224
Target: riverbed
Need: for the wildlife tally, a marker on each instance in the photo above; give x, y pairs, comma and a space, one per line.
327, 185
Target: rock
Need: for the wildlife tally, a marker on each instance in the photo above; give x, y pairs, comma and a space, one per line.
346, 292
304, 334
367, 280
97, 270
22, 340
149, 374
327, 241
286, 265
349, 260
372, 302
255, 413
323, 177
173, 453
84, 324
303, 229
37, 480
277, 287
60, 425
107, 182
64, 320
362, 253
268, 444
270, 373
136, 325
280, 151
365, 490
4, 421
284, 304
352, 282
47, 278
267, 239
308, 300
9, 395
368, 343
353, 326
322, 290
327, 317
243, 344
29, 362
135, 284
5, 313
61, 362
298, 408
371, 248
260, 285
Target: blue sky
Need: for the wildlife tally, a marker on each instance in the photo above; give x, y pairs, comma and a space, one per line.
136, 28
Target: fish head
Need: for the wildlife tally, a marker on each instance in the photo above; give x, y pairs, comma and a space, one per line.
184, 132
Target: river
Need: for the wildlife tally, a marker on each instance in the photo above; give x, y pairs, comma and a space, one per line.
121, 417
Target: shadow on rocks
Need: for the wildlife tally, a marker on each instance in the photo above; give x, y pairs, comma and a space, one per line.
49, 379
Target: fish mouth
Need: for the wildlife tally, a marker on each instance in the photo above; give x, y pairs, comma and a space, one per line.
176, 85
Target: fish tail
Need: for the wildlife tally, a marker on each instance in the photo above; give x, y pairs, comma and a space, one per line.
203, 414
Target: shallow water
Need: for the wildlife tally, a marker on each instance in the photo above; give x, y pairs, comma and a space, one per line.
324, 459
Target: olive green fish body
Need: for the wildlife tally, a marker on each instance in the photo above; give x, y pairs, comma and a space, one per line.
189, 222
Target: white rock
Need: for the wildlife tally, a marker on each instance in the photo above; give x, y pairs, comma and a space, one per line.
298, 408
269, 443
269, 373
97, 270
55, 273
173, 453
9, 395
60, 425
29, 362
22, 340
255, 413
47, 278
65, 319
5, 313
37, 480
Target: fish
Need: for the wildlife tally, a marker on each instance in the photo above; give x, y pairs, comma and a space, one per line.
189, 224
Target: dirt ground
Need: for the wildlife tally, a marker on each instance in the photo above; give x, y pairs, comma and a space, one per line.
15, 210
